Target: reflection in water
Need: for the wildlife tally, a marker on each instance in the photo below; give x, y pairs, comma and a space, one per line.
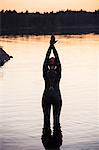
21, 88
1, 73
52, 141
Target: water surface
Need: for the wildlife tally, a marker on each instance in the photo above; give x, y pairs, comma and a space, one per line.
22, 85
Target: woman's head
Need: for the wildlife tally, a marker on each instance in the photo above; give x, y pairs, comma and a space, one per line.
52, 62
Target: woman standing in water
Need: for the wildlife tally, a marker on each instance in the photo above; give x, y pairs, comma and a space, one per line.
51, 95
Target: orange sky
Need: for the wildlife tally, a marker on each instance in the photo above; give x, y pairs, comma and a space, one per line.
49, 5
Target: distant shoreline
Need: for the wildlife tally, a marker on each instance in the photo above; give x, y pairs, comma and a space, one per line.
69, 31
73, 30
59, 23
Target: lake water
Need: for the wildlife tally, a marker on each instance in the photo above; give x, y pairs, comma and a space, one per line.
22, 85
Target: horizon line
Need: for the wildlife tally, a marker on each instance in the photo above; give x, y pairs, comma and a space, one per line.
48, 11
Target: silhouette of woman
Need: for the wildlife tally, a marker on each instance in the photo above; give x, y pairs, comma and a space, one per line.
51, 95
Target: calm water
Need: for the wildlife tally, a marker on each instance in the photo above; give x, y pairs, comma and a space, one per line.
22, 85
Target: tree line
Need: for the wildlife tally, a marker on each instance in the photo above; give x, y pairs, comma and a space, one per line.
61, 22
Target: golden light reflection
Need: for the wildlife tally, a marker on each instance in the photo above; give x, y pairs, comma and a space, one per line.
1, 74
22, 87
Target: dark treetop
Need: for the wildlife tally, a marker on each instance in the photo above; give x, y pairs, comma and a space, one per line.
62, 22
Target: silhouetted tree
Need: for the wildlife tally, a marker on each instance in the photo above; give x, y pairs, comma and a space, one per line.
61, 22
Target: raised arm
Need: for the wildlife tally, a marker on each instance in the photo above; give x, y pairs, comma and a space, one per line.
57, 61
45, 65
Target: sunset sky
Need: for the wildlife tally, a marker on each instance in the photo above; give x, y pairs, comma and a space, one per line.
49, 5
